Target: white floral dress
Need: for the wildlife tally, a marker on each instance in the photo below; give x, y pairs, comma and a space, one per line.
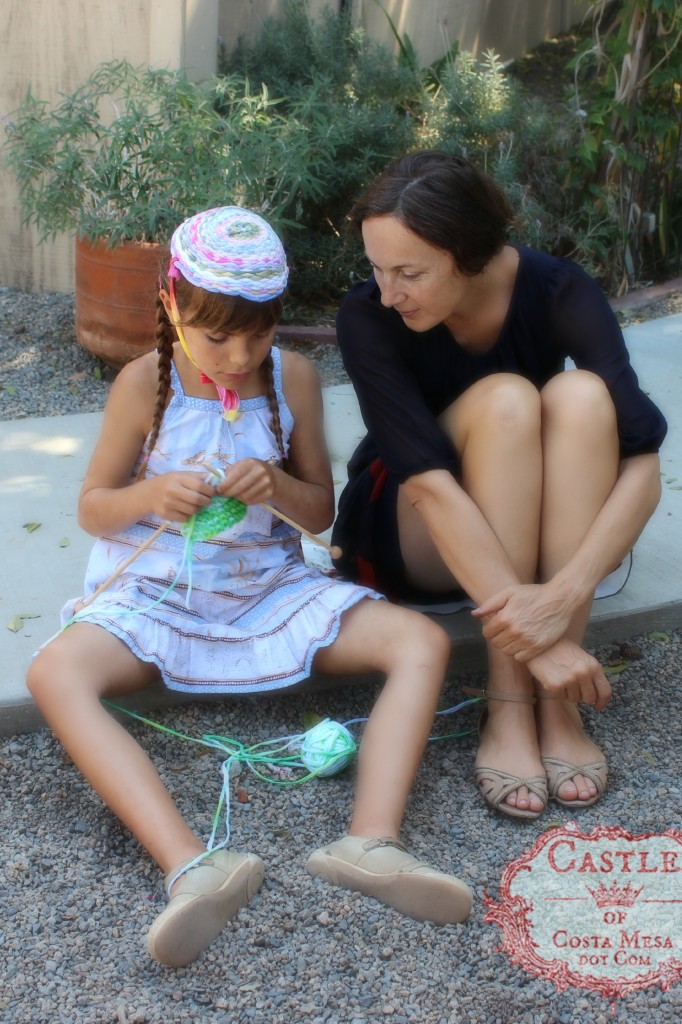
255, 613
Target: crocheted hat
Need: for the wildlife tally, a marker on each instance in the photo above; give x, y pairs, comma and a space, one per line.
232, 251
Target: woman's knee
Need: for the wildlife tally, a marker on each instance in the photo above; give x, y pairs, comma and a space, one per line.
578, 400
505, 404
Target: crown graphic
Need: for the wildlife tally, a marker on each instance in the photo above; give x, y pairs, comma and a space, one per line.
615, 895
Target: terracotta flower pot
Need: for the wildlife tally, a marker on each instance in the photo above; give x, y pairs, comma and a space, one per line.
116, 292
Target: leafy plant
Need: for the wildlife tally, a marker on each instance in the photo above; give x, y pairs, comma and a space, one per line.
303, 117
364, 106
346, 90
626, 168
133, 151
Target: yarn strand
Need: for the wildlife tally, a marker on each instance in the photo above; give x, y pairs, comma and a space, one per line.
321, 751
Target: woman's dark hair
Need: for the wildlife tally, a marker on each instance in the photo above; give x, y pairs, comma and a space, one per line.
444, 200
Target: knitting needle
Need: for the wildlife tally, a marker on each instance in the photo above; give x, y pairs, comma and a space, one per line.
333, 550
122, 568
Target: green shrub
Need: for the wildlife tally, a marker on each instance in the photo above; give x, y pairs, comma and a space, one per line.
303, 117
133, 151
624, 171
345, 90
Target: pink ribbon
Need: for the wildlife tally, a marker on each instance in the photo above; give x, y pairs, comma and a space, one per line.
229, 399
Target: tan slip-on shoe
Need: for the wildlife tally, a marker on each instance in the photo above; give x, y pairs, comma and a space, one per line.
204, 899
384, 869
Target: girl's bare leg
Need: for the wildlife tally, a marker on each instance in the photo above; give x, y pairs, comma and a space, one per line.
495, 426
67, 680
581, 457
413, 653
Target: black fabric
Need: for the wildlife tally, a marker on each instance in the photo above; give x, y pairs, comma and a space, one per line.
405, 379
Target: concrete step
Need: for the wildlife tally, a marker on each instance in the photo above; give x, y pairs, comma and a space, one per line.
43, 462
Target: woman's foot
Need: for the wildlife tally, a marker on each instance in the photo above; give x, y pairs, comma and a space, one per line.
509, 741
565, 749
384, 869
202, 901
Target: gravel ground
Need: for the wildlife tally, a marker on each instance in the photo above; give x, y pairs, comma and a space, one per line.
78, 892
45, 372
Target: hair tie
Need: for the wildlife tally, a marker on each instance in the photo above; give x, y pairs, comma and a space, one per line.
231, 251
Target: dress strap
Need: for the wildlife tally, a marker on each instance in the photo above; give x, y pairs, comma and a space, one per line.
176, 383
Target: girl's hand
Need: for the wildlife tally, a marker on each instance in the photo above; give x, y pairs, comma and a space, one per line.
524, 620
179, 495
249, 480
565, 670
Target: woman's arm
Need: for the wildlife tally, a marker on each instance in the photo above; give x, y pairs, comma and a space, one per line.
480, 565
108, 501
526, 620
461, 534
306, 493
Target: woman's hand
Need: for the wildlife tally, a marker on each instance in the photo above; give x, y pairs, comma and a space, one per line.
177, 496
249, 480
524, 620
565, 670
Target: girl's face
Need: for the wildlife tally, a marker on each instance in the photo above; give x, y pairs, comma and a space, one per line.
229, 359
420, 282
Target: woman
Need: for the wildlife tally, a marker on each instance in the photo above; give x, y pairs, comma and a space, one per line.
487, 469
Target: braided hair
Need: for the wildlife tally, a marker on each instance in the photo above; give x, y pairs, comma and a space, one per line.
218, 314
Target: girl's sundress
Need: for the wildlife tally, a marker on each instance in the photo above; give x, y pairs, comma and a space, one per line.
255, 613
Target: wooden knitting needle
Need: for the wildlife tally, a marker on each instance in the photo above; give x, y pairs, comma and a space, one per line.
122, 568
333, 550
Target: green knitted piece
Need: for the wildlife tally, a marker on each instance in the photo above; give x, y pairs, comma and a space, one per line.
221, 514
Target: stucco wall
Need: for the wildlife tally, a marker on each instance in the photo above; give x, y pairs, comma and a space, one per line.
53, 45
50, 46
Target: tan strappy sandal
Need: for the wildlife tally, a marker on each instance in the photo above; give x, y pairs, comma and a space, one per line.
496, 785
560, 771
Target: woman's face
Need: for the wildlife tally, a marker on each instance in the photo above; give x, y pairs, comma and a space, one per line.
416, 279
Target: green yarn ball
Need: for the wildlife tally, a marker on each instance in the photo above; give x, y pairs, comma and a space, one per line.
327, 748
221, 514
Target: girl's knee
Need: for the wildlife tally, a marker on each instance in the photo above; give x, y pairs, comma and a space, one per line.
55, 674
578, 398
420, 638
40, 674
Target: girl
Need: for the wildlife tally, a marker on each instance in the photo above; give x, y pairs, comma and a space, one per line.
255, 616
488, 468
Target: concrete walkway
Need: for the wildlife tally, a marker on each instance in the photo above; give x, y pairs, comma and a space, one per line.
43, 462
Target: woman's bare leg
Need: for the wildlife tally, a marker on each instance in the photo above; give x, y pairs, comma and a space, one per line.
495, 426
67, 680
581, 456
